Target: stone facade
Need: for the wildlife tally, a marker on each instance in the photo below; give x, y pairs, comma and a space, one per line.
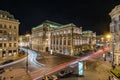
115, 31
9, 29
24, 41
54, 37
88, 40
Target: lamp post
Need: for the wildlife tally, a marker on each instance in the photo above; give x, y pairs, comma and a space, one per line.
113, 49
27, 38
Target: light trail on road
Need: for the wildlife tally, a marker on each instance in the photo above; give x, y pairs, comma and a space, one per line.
61, 66
32, 56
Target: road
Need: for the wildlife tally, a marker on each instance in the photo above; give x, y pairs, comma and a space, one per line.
65, 63
32, 56
17, 68
47, 63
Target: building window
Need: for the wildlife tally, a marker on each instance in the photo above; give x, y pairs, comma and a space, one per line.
5, 26
14, 38
57, 42
64, 42
0, 25
54, 41
119, 17
60, 42
10, 38
0, 38
10, 26
0, 44
14, 27
5, 32
14, 44
119, 26
68, 42
10, 44
4, 44
0, 31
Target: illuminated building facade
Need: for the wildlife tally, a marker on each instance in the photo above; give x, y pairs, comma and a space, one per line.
54, 37
51, 36
9, 29
88, 40
115, 31
23, 41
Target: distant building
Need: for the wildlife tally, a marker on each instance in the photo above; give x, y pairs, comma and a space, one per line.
9, 30
24, 41
88, 40
115, 31
53, 37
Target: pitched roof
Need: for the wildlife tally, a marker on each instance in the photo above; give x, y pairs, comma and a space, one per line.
53, 24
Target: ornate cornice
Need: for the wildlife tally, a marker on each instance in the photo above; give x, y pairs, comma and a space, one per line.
115, 12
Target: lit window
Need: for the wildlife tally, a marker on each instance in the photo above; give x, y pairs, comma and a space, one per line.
0, 38
10, 33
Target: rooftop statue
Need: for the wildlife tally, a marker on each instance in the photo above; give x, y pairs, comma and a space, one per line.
5, 14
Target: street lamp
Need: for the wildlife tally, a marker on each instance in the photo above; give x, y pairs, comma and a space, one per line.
112, 47
27, 39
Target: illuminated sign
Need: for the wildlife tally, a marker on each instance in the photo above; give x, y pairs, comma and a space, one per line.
80, 68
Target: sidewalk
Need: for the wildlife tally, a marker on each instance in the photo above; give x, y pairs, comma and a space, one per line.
14, 58
97, 69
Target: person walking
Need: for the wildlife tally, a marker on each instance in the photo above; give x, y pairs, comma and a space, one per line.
112, 78
109, 78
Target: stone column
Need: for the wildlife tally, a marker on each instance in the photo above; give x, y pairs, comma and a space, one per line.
59, 43
55, 42
67, 44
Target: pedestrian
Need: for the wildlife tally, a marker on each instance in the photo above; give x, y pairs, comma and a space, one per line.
109, 78
4, 78
0, 77
112, 78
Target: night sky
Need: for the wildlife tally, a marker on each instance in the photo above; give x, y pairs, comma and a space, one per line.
90, 14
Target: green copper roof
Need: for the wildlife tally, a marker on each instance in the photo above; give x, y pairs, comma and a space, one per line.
53, 25
87, 31
71, 24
